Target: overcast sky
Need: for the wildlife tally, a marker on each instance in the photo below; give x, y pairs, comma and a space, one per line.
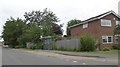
65, 10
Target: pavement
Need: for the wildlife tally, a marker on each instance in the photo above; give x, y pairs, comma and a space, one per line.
114, 56
109, 57
77, 55
47, 57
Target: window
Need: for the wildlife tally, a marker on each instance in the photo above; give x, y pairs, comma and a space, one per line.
85, 25
109, 39
106, 39
113, 18
117, 22
105, 22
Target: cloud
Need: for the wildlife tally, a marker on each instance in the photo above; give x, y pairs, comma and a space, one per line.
64, 9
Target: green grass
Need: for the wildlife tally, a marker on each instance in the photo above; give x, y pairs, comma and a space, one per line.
103, 52
95, 52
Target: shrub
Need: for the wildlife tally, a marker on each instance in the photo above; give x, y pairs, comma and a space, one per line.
88, 43
63, 49
116, 46
33, 48
36, 46
19, 46
106, 49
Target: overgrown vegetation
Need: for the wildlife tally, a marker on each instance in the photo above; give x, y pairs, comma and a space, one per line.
65, 49
116, 47
12, 30
90, 52
117, 33
17, 32
106, 49
88, 43
103, 52
36, 46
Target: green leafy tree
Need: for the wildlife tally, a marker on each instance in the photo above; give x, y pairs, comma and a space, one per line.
70, 23
117, 30
41, 17
12, 30
45, 19
32, 34
18, 32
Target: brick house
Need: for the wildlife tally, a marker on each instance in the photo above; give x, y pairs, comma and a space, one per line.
100, 26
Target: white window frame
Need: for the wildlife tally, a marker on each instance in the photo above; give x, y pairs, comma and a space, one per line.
85, 25
103, 37
105, 22
117, 22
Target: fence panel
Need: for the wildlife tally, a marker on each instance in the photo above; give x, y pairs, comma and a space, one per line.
68, 43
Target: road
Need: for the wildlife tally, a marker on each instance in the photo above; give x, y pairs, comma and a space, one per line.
17, 57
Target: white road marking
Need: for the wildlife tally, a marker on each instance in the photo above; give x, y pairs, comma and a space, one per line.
84, 63
74, 61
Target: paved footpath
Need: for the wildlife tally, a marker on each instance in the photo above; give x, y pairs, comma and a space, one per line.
112, 56
108, 57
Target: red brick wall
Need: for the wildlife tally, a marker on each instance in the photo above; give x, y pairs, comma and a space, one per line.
107, 31
95, 29
106, 45
92, 29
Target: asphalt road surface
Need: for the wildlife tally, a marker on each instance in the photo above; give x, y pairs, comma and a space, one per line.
14, 57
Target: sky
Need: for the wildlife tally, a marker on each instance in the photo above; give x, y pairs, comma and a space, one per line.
65, 10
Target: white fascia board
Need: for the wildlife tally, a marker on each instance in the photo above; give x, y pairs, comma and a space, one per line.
96, 18
83, 22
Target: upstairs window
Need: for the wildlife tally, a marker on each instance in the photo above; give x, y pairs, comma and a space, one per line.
85, 25
117, 22
105, 22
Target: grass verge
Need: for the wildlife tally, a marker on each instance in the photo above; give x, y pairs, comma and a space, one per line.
104, 52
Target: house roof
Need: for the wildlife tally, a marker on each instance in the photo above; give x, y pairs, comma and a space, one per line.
95, 18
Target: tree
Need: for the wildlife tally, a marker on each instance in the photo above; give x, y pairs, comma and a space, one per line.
12, 30
41, 17
31, 34
117, 29
45, 20
70, 23
117, 32
57, 29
